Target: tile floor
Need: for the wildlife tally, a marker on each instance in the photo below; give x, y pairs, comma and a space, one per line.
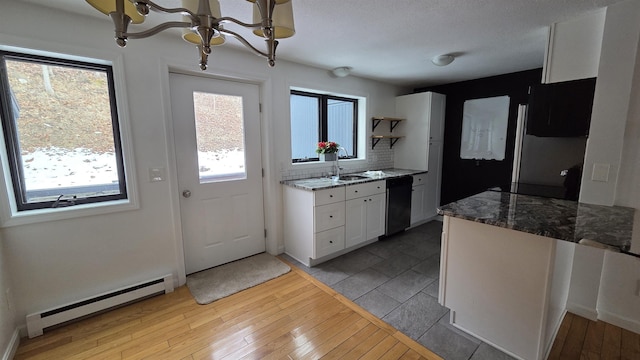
397, 280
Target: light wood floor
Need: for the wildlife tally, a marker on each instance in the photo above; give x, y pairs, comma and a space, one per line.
291, 317
580, 338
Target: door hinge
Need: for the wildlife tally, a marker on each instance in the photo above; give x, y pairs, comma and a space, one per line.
262, 172
265, 233
260, 107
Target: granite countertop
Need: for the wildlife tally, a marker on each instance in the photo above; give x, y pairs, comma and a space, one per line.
554, 218
313, 184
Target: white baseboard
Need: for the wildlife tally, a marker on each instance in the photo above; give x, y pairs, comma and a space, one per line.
585, 312
12, 347
555, 330
617, 320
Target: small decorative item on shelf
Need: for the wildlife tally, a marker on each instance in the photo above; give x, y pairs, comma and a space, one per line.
328, 150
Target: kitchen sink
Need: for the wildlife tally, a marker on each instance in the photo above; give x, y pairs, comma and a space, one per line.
352, 177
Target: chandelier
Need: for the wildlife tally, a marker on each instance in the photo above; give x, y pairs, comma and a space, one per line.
202, 24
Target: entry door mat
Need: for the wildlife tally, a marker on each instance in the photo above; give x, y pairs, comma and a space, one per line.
210, 285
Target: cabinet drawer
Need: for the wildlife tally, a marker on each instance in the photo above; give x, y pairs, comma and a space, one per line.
329, 216
419, 179
366, 189
328, 242
328, 196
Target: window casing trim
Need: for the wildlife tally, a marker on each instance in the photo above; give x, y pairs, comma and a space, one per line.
11, 132
323, 98
9, 215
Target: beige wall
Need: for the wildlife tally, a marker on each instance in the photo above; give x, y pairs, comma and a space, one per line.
7, 314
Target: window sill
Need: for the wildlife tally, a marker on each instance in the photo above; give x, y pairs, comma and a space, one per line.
70, 212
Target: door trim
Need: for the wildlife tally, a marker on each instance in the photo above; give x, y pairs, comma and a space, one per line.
270, 185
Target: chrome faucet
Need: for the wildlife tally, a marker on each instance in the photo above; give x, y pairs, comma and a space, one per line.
337, 165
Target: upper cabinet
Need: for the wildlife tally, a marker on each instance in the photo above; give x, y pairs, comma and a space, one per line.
573, 48
561, 109
424, 114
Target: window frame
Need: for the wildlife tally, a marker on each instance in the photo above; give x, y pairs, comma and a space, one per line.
323, 99
14, 179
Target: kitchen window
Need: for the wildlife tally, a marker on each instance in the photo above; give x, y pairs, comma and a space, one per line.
322, 117
61, 132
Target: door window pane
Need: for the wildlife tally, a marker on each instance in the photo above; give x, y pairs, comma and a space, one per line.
220, 137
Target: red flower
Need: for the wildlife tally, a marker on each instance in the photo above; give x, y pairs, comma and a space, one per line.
327, 147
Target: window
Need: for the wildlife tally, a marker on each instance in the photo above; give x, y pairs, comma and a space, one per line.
219, 137
321, 117
61, 131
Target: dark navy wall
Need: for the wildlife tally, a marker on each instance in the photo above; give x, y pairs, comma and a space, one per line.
462, 178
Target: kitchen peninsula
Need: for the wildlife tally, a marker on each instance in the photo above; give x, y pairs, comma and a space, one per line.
507, 260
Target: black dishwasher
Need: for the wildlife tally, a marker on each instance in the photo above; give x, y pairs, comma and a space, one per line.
398, 216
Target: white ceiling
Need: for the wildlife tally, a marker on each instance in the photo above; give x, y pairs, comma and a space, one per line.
394, 40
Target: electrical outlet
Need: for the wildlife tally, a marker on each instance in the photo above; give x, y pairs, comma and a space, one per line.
600, 172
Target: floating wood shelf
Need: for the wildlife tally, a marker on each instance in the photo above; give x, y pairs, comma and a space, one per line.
393, 122
392, 140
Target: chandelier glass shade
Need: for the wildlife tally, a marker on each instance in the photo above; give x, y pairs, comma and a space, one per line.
202, 23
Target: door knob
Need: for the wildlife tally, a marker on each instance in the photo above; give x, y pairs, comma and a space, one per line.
186, 193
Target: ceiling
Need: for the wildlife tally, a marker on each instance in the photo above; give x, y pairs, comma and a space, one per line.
394, 41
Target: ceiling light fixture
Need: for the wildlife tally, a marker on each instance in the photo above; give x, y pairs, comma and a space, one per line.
202, 23
342, 71
442, 60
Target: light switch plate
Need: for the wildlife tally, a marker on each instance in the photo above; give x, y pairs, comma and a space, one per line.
600, 172
156, 174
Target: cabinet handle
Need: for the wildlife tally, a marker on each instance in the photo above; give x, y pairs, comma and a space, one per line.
365, 200
356, 191
330, 216
330, 241
330, 195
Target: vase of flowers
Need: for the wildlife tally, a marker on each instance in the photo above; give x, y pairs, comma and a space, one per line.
328, 150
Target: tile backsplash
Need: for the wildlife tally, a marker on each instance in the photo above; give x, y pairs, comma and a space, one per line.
379, 158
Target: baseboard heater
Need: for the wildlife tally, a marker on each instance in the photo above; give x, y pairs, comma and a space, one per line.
37, 322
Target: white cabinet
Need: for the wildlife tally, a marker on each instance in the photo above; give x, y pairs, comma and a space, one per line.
418, 199
316, 222
434, 180
424, 114
573, 48
328, 242
523, 279
422, 149
365, 212
313, 223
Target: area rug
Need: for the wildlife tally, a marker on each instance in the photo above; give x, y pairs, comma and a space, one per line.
224, 280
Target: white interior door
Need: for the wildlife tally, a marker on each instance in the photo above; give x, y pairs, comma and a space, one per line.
216, 126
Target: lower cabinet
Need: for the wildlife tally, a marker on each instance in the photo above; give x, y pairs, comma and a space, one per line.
433, 180
364, 219
329, 241
419, 210
365, 212
319, 225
